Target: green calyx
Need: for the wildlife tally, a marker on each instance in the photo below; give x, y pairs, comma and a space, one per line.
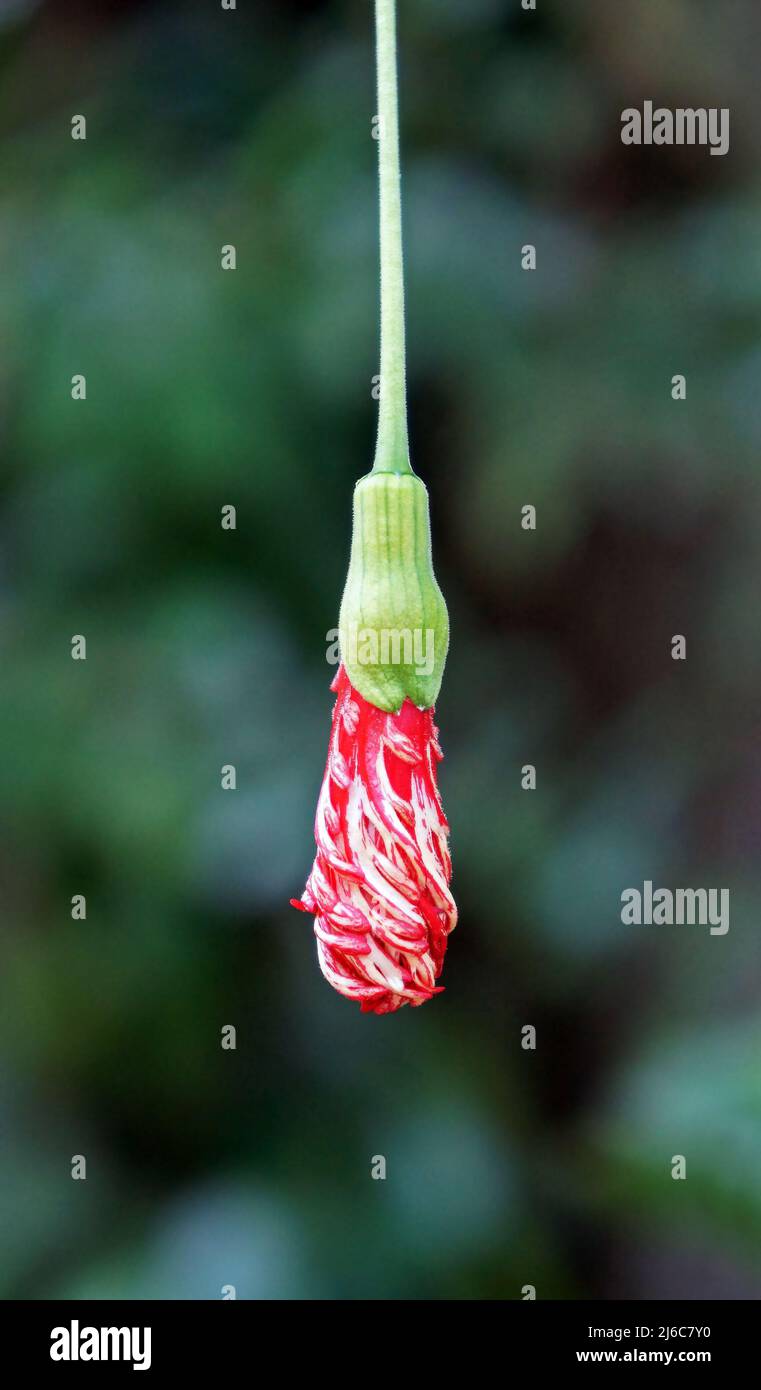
394, 627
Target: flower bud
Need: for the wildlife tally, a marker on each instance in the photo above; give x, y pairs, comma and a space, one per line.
379, 887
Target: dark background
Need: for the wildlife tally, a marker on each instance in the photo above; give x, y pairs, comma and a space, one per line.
204, 647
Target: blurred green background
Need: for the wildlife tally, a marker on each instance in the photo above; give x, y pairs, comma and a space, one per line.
505, 1167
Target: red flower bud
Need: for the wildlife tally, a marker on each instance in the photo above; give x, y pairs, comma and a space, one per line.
379, 888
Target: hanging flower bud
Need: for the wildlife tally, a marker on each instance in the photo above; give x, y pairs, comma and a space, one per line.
379, 889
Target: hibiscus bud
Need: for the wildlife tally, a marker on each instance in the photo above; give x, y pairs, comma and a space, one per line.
379, 888
394, 628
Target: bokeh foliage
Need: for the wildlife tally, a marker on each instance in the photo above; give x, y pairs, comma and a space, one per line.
207, 647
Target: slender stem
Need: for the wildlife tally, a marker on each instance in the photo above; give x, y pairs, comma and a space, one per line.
392, 448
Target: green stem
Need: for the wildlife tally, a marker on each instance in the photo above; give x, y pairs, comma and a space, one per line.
392, 448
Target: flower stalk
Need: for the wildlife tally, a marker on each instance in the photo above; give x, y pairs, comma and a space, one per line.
392, 453
391, 586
